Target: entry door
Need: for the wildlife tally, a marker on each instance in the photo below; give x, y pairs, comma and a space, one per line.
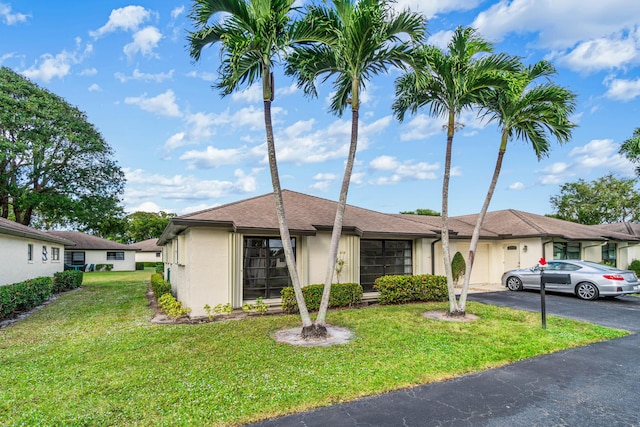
511, 257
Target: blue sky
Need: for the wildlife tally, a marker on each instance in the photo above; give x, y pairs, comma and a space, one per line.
184, 148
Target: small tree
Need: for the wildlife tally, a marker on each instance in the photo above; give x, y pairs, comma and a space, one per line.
458, 267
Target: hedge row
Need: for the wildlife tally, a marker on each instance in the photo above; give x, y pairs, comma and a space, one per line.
402, 289
342, 295
159, 285
31, 293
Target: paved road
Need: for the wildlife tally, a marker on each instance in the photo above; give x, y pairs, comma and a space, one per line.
596, 385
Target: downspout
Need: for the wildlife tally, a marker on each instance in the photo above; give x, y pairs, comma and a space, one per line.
433, 255
544, 248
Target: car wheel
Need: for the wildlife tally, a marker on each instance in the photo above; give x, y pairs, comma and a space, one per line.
587, 291
514, 284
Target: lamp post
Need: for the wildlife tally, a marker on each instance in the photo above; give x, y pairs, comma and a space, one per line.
543, 309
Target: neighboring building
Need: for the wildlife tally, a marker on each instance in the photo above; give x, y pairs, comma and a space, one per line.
28, 253
630, 229
91, 250
147, 251
233, 253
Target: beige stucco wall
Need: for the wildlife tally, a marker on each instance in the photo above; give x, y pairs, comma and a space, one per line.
148, 257
100, 257
15, 267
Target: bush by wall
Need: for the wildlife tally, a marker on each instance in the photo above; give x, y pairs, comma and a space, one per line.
635, 267
172, 307
402, 289
159, 286
139, 265
159, 267
24, 295
67, 280
342, 295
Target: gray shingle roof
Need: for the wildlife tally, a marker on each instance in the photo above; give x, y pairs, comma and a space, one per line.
628, 228
305, 215
149, 245
308, 214
88, 242
14, 229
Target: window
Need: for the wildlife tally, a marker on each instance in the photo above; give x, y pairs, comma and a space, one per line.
29, 252
158, 254
115, 256
74, 258
566, 250
55, 254
383, 257
265, 270
609, 252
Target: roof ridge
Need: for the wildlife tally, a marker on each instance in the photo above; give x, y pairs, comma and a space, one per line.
522, 217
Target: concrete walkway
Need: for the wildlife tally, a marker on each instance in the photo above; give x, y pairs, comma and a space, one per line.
596, 385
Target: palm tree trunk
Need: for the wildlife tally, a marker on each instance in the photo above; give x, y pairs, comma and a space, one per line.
483, 212
282, 221
453, 306
339, 219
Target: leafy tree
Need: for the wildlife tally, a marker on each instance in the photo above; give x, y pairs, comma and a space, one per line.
529, 112
55, 167
419, 211
145, 225
449, 83
351, 41
252, 33
602, 201
631, 149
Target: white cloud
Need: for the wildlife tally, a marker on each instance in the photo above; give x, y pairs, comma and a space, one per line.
213, 157
441, 39
402, 171
516, 186
623, 90
144, 42
206, 76
127, 18
177, 12
550, 19
146, 207
603, 53
179, 188
95, 88
422, 127
51, 66
599, 154
138, 75
89, 72
250, 95
163, 104
432, 8
11, 18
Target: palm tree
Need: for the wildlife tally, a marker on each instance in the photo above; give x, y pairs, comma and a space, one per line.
252, 35
528, 113
353, 41
449, 83
630, 148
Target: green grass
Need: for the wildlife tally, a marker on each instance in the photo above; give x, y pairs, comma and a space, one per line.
92, 358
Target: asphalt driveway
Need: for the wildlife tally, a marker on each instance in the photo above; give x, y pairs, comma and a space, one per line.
596, 385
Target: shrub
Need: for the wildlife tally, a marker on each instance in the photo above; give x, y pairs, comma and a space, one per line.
172, 306
259, 307
24, 295
402, 289
342, 295
139, 265
105, 267
159, 267
218, 309
635, 267
458, 267
159, 286
67, 280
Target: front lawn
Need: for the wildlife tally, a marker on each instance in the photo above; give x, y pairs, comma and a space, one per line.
92, 358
